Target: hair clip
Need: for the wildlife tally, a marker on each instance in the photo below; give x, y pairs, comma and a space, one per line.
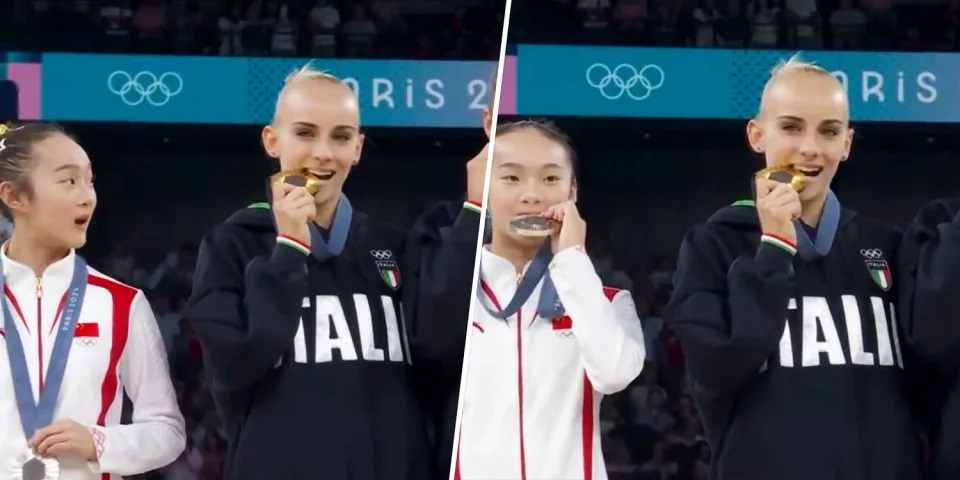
4, 129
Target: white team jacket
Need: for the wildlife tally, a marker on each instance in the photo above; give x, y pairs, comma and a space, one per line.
117, 347
532, 387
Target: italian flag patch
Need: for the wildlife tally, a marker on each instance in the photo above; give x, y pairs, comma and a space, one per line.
880, 272
391, 276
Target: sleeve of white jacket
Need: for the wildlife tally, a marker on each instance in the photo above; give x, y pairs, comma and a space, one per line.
156, 435
608, 332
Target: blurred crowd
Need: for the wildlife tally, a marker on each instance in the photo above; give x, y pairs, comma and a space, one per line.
788, 24
431, 29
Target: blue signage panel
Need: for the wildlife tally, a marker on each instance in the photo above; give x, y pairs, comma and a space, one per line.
725, 84
235, 90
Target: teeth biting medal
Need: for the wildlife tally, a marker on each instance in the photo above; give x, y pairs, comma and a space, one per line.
785, 174
299, 178
533, 226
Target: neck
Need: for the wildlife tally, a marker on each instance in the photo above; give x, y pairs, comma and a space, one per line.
515, 252
33, 253
325, 211
812, 210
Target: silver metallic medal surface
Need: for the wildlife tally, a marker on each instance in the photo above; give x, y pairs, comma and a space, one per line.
533, 226
27, 466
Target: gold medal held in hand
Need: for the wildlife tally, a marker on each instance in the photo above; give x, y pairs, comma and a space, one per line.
784, 174
533, 226
298, 178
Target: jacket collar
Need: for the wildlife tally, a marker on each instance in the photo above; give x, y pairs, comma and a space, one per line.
15, 272
496, 268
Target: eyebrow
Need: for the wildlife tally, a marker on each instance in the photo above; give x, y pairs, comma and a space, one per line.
69, 166
517, 165
800, 120
315, 127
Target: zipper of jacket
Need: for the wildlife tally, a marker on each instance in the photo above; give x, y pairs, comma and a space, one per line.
523, 456
40, 333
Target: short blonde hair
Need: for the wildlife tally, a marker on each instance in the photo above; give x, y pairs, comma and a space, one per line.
795, 64
307, 72
790, 66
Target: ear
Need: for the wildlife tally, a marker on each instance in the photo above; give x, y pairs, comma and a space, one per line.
359, 151
14, 200
269, 139
487, 121
847, 145
574, 190
755, 135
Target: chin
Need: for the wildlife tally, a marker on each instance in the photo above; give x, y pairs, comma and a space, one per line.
76, 242
326, 194
527, 241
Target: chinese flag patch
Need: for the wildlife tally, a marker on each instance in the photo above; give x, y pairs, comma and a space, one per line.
87, 330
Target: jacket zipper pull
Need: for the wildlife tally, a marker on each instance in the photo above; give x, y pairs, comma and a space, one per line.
39, 287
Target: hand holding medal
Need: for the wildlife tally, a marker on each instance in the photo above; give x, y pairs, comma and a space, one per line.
572, 231
293, 205
778, 205
64, 439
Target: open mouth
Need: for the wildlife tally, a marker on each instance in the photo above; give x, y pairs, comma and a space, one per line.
82, 221
323, 174
809, 171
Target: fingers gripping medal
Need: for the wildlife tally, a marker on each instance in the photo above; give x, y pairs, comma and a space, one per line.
534, 226
791, 176
299, 178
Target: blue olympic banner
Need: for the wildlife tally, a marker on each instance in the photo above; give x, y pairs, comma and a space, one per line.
235, 90
725, 84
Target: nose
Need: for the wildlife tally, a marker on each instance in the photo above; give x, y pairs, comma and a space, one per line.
530, 196
322, 151
88, 197
809, 147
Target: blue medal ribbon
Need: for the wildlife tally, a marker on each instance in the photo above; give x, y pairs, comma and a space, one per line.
38, 414
812, 249
342, 217
548, 305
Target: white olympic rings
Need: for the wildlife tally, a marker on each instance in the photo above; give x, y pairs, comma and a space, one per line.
145, 86
625, 79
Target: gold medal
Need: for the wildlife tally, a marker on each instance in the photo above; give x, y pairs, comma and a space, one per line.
533, 226
298, 178
791, 176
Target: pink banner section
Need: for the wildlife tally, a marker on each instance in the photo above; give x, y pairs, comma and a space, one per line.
27, 78
508, 87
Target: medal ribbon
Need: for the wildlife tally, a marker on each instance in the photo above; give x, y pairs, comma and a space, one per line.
812, 249
548, 305
342, 217
35, 415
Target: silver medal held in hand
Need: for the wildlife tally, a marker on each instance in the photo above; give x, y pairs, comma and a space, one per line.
27, 466
533, 226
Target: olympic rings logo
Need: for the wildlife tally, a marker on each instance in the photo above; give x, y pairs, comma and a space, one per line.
145, 87
381, 254
625, 79
872, 253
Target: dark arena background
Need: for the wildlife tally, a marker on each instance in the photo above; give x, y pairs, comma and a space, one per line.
671, 150
168, 98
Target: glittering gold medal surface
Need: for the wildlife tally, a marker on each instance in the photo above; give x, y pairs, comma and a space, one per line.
791, 176
533, 226
298, 178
